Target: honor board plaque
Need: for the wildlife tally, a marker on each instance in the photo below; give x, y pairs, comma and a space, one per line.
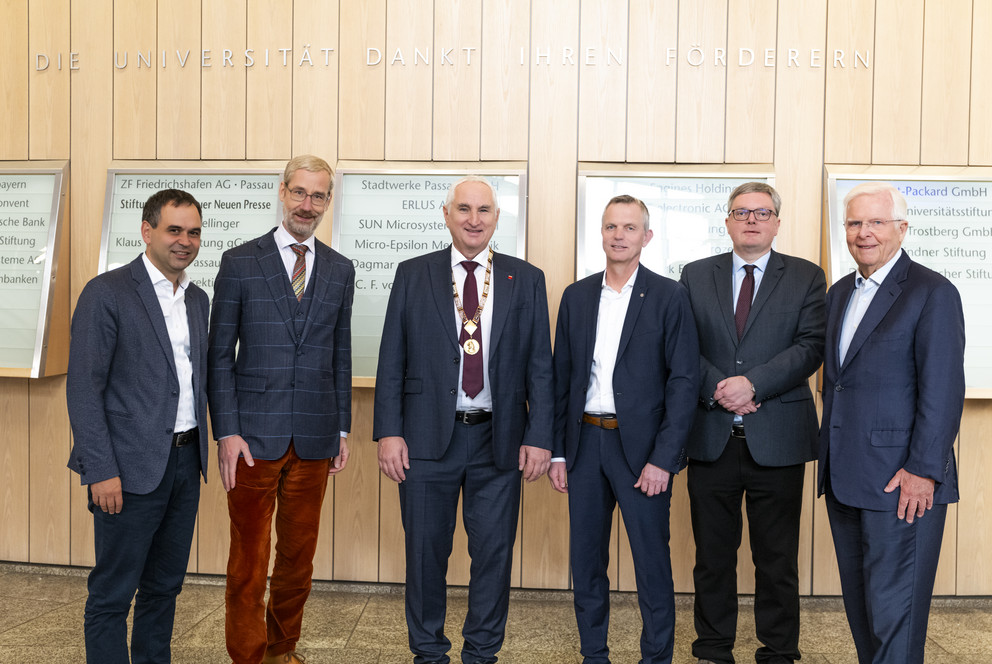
382, 218
32, 200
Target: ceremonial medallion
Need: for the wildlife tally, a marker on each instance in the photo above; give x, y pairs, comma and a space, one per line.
471, 346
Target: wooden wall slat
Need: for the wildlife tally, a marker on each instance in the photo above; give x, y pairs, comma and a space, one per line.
847, 134
701, 90
603, 87
224, 82
135, 79
750, 136
505, 88
974, 512
946, 82
15, 465
268, 124
48, 26
653, 26
315, 89
980, 127
897, 73
550, 246
15, 65
178, 100
362, 96
458, 86
49, 491
409, 84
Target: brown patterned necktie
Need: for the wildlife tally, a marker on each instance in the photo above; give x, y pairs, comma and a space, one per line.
299, 269
744, 300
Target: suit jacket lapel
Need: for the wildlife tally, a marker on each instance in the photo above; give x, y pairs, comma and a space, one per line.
502, 288
838, 304
888, 291
197, 327
439, 271
590, 304
148, 297
637, 296
773, 274
319, 281
723, 285
274, 271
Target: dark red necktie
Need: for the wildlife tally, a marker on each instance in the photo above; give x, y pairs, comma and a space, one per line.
744, 300
471, 364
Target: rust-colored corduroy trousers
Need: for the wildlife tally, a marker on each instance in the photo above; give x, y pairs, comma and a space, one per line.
293, 489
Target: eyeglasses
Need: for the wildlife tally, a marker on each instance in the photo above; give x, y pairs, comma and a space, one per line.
318, 199
761, 214
855, 225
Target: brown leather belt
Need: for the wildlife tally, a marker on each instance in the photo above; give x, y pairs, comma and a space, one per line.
184, 438
603, 421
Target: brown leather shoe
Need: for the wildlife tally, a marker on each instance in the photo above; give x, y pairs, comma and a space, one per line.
285, 658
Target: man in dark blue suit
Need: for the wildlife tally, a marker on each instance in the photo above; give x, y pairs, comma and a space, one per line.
893, 392
280, 399
760, 316
626, 370
138, 409
463, 404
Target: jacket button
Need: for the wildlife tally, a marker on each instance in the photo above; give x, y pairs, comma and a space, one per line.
454, 361
453, 392
838, 388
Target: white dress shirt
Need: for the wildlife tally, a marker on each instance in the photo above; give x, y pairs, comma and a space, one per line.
861, 297
484, 399
283, 241
173, 303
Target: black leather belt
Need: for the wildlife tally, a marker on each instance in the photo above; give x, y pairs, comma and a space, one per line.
184, 438
737, 431
603, 420
472, 417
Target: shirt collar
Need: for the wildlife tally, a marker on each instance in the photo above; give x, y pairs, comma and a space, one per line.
878, 276
157, 277
284, 239
457, 257
630, 281
761, 263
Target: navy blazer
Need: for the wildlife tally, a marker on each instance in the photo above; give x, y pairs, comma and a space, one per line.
269, 384
122, 388
655, 379
781, 348
419, 360
896, 401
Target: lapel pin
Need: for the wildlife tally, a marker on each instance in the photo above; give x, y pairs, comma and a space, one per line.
510, 277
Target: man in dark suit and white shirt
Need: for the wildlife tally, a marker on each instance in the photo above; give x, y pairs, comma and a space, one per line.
138, 409
463, 404
280, 402
626, 377
893, 392
760, 316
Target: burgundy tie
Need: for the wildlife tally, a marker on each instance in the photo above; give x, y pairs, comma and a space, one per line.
472, 364
744, 300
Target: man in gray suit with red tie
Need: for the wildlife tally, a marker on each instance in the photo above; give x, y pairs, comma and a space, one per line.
893, 392
760, 316
280, 402
463, 405
626, 377
138, 408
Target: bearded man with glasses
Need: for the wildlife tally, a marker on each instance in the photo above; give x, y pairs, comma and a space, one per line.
760, 316
280, 403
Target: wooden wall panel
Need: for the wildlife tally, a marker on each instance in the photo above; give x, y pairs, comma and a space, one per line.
897, 78
410, 81
356, 499
980, 133
178, 100
213, 525
946, 82
49, 94
602, 80
651, 81
974, 574
750, 85
136, 62
702, 82
15, 65
505, 41
268, 124
315, 88
847, 133
826, 580
224, 80
361, 101
15, 467
550, 246
49, 492
457, 80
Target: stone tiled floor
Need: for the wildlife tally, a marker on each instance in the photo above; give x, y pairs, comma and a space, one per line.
41, 617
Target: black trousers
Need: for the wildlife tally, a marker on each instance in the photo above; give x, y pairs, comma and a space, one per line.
773, 499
